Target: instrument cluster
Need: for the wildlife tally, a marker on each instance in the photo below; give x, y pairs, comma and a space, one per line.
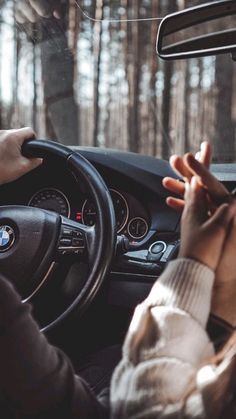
131, 218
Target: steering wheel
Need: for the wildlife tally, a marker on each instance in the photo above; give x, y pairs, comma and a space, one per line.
36, 240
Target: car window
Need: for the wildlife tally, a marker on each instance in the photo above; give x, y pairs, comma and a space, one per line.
93, 78
131, 10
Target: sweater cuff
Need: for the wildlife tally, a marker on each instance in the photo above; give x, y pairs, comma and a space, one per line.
187, 285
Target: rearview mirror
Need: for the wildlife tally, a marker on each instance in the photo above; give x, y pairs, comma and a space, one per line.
208, 29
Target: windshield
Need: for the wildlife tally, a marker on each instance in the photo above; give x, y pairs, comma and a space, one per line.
89, 75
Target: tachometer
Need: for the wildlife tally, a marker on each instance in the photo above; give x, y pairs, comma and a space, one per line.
120, 206
51, 199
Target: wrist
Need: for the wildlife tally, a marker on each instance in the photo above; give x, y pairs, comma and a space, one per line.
198, 258
187, 285
223, 304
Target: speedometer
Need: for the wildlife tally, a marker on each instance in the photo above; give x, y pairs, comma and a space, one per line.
52, 200
121, 208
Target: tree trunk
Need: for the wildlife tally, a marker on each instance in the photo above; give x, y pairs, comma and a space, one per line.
168, 68
98, 30
34, 115
187, 104
134, 76
224, 141
58, 79
166, 105
153, 79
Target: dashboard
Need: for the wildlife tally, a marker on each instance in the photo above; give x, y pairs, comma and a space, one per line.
142, 216
139, 212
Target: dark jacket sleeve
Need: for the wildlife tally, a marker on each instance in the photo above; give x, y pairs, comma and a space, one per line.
37, 379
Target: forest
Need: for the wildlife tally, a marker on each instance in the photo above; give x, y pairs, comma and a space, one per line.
93, 78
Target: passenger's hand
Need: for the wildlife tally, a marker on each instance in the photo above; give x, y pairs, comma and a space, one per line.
12, 163
224, 292
202, 238
31, 10
189, 166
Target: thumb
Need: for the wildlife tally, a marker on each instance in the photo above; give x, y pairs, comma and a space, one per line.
195, 202
221, 219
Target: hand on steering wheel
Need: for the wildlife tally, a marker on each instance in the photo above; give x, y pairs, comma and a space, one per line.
12, 163
37, 240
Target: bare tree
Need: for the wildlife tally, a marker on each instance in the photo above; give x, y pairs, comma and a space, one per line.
58, 79
133, 76
224, 138
168, 68
153, 78
98, 28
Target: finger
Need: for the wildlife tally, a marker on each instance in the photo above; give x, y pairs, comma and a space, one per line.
30, 164
196, 205
28, 12
175, 203
57, 14
206, 179
198, 156
57, 9
20, 18
205, 154
47, 8
23, 134
42, 7
174, 185
178, 165
221, 218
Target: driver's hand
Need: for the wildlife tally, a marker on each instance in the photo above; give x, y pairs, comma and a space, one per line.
187, 167
31, 10
203, 237
12, 163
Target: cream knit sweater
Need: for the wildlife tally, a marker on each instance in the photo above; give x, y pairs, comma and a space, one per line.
164, 372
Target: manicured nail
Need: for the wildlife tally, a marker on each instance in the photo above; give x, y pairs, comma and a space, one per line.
194, 183
198, 155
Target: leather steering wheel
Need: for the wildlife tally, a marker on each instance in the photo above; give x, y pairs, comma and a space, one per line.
36, 240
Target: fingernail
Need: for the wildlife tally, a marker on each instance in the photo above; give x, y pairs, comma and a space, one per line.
187, 186
56, 14
198, 155
173, 157
194, 183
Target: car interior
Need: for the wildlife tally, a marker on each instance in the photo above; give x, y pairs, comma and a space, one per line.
92, 228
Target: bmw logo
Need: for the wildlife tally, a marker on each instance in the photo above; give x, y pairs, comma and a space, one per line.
7, 238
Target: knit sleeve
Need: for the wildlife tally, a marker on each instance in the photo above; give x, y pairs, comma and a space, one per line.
165, 347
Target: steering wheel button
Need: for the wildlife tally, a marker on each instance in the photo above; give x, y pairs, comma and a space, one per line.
77, 234
65, 242
66, 232
77, 243
77, 251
